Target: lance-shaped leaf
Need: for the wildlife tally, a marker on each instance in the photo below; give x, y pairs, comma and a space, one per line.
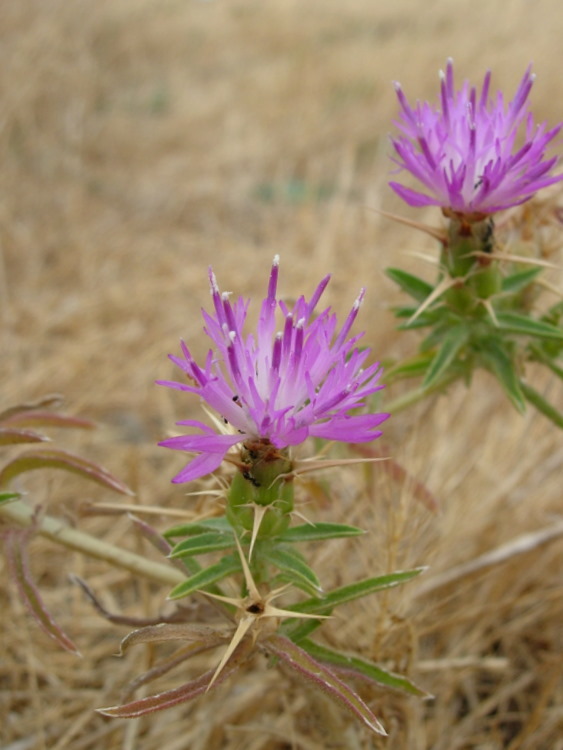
355, 666
161, 544
200, 527
410, 368
8, 497
521, 324
500, 364
15, 544
321, 676
520, 280
54, 400
318, 532
541, 404
40, 418
14, 436
293, 567
454, 340
202, 580
184, 693
201, 634
199, 544
353, 591
412, 285
57, 459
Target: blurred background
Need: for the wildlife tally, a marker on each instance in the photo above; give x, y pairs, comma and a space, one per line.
144, 140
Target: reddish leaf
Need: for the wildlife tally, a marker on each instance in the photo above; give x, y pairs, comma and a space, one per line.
13, 436
16, 552
42, 418
181, 694
322, 677
58, 459
53, 399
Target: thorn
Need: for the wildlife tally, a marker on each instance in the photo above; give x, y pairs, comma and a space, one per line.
435, 232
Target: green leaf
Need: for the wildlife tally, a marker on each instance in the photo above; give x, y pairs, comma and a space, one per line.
499, 363
8, 497
364, 667
200, 527
319, 531
304, 664
355, 591
518, 281
521, 324
410, 368
57, 459
202, 543
412, 285
454, 340
202, 580
540, 403
293, 567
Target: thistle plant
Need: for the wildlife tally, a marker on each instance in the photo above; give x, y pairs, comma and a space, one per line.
475, 156
276, 398
265, 394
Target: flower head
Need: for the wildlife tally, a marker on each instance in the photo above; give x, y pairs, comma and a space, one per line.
276, 387
464, 152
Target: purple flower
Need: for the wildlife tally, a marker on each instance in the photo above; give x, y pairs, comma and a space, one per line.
464, 152
275, 387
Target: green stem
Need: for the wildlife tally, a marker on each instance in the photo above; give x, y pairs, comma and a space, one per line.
53, 529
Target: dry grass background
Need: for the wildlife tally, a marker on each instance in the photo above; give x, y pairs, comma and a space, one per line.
143, 140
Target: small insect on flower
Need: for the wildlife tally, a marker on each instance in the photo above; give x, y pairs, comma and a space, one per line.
464, 152
274, 388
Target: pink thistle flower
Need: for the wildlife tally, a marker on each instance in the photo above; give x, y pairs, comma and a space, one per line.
275, 387
464, 153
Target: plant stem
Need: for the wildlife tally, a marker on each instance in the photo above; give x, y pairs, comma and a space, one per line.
57, 531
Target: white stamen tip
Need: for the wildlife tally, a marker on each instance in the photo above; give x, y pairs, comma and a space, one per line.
232, 335
300, 323
442, 75
279, 336
396, 85
276, 261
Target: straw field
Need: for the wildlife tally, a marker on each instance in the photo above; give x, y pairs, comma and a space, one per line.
141, 142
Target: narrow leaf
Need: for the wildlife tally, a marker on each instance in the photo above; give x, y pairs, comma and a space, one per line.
319, 531
202, 543
540, 403
321, 676
225, 567
412, 285
174, 632
518, 281
521, 324
58, 459
354, 664
16, 553
454, 340
410, 368
498, 361
200, 527
292, 564
54, 400
8, 497
355, 591
40, 418
13, 436
181, 694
